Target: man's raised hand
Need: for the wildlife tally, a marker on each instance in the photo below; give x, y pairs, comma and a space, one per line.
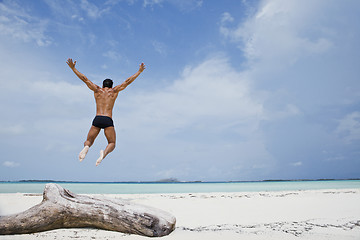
71, 63
142, 67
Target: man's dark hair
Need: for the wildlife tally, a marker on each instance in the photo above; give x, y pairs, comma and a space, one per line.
107, 83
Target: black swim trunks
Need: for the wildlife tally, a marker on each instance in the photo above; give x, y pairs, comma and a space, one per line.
102, 122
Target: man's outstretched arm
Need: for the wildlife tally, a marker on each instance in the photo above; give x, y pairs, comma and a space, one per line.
128, 81
88, 83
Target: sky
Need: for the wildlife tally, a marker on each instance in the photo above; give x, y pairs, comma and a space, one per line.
232, 90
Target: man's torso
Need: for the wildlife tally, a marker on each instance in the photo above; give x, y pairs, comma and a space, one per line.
105, 99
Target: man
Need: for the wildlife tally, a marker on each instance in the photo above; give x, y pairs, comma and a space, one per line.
105, 98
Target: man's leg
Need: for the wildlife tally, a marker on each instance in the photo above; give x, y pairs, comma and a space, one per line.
111, 138
93, 132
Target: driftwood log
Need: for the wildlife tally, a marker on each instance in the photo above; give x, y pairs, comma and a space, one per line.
61, 208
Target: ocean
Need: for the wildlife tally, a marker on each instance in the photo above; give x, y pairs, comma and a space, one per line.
203, 187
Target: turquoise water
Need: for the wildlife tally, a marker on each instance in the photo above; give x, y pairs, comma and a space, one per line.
143, 188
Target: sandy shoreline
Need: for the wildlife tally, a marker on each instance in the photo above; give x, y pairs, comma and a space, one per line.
311, 214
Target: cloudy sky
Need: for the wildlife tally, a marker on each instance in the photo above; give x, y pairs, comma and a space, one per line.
233, 90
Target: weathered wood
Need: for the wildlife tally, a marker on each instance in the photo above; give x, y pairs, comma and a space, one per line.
61, 208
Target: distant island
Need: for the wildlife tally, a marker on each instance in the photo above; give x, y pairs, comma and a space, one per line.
168, 180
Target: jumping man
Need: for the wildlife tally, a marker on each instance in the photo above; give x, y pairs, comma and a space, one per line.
105, 98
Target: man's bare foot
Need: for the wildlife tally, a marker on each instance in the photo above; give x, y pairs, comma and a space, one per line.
83, 153
100, 158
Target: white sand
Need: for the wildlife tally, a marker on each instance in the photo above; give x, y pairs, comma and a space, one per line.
318, 214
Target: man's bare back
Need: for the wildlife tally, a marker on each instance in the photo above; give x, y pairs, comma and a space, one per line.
105, 99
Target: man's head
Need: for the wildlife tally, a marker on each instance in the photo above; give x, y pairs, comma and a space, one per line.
107, 83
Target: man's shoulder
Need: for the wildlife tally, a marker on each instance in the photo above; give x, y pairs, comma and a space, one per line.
106, 91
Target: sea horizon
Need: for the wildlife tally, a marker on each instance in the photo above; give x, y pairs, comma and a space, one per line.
174, 180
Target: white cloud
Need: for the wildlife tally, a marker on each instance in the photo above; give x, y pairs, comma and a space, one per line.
151, 3
70, 10
79, 18
17, 23
279, 34
297, 164
10, 164
78, 10
44, 104
296, 57
48, 110
113, 55
182, 5
295, 52
349, 127
12, 129
210, 96
160, 47
226, 17
287, 110
115, 2
187, 5
92, 10
59, 91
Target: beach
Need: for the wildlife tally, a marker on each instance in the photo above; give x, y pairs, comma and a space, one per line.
299, 214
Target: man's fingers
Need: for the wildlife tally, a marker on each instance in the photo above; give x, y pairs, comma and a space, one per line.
70, 62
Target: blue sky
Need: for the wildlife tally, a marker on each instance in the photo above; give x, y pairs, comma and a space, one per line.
233, 90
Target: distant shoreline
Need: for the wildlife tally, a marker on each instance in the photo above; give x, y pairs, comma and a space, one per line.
177, 181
